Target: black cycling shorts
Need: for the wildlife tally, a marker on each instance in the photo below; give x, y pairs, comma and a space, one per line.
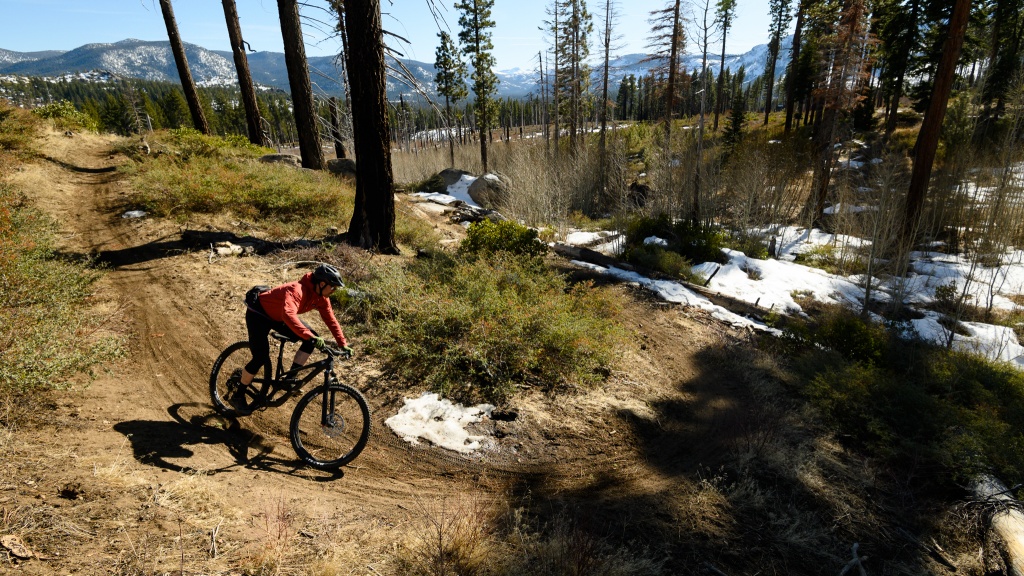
259, 325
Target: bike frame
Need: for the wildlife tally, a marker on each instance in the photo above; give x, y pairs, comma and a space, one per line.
326, 366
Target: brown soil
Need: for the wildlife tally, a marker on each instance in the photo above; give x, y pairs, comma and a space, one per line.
132, 473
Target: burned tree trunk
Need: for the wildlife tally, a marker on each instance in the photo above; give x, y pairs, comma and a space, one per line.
195, 108
373, 218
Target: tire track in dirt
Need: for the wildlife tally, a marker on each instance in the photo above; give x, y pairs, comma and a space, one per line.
177, 334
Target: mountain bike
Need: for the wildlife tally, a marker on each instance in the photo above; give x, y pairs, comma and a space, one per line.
330, 424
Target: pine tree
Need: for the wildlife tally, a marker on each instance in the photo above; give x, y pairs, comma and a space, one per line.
667, 41
475, 37
778, 11
451, 83
725, 13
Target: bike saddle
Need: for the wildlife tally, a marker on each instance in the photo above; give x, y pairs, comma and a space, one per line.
282, 337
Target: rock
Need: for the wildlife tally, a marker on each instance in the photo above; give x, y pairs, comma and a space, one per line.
342, 166
452, 175
290, 159
465, 214
16, 547
487, 191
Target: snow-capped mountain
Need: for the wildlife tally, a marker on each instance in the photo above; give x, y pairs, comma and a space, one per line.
153, 60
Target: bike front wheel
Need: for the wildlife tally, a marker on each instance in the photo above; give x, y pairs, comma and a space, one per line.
224, 384
330, 426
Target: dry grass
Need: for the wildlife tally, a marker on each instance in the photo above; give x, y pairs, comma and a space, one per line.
451, 535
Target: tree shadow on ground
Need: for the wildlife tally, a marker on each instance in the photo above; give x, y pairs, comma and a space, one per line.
722, 483
189, 241
168, 444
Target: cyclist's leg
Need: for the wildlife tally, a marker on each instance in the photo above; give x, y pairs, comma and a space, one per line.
302, 354
258, 327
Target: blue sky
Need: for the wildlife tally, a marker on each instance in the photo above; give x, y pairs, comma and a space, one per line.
34, 25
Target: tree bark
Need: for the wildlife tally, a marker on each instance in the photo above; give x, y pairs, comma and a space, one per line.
373, 217
195, 108
253, 120
928, 137
302, 90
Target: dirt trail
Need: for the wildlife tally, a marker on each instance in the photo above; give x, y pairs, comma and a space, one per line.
147, 419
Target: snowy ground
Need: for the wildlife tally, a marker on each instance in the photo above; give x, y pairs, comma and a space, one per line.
770, 284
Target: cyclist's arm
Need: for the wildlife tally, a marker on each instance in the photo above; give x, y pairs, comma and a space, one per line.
327, 314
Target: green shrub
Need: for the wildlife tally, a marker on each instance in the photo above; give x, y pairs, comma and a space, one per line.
856, 339
17, 128
661, 260
751, 246
66, 117
297, 200
190, 143
433, 184
46, 334
695, 242
487, 238
476, 329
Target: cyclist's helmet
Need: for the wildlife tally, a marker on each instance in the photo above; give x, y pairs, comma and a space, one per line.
329, 274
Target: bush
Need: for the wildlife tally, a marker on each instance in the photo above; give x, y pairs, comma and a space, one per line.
46, 335
190, 143
486, 238
661, 260
695, 242
17, 128
290, 201
433, 184
751, 246
66, 117
476, 329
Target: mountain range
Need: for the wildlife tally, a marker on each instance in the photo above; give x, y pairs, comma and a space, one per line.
153, 60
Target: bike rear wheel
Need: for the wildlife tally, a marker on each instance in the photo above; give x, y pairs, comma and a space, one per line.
223, 387
330, 426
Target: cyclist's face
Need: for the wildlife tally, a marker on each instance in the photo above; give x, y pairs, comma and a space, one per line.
326, 289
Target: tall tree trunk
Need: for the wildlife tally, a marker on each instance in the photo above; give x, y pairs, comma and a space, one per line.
253, 121
769, 77
928, 137
602, 145
794, 63
195, 108
670, 100
298, 81
339, 144
720, 95
373, 217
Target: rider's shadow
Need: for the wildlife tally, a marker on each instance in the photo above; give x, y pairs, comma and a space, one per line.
163, 444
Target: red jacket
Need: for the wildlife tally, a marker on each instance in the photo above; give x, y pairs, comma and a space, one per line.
285, 302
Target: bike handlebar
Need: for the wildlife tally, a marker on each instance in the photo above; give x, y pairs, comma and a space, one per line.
336, 352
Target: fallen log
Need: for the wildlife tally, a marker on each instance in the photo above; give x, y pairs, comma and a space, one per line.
1007, 521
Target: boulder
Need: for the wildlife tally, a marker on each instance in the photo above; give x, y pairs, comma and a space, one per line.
290, 159
452, 175
342, 166
488, 190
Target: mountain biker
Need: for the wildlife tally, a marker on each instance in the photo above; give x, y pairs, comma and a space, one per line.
278, 309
